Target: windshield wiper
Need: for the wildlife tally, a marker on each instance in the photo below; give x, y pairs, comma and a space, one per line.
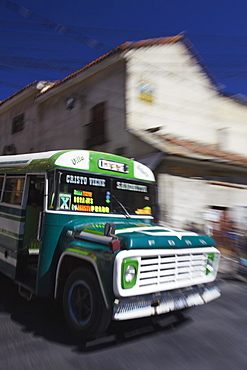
122, 206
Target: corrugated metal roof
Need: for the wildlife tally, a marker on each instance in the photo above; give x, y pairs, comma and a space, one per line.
206, 150
190, 149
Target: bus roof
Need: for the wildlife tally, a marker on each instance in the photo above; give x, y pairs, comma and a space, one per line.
85, 160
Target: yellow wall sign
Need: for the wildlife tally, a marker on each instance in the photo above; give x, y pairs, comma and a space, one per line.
145, 91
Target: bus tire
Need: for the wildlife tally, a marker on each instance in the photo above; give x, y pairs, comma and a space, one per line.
83, 304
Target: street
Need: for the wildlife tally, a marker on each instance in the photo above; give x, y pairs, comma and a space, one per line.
213, 336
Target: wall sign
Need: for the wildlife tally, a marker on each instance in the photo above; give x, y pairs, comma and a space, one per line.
145, 91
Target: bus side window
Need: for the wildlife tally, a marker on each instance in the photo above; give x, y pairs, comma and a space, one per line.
13, 190
33, 211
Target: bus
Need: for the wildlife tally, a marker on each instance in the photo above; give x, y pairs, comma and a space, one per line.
78, 226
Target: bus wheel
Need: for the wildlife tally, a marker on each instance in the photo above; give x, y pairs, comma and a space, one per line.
83, 305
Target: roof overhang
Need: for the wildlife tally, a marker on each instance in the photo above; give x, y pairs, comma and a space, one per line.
18, 97
78, 77
186, 149
103, 62
151, 160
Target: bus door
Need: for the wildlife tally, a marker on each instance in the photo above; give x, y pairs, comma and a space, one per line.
29, 253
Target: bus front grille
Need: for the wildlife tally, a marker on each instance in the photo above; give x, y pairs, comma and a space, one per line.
174, 270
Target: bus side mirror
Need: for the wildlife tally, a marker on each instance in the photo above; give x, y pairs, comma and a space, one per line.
110, 229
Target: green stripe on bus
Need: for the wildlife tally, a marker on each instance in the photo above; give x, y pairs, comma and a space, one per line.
13, 218
13, 235
81, 252
13, 162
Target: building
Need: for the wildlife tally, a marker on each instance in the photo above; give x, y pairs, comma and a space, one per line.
152, 100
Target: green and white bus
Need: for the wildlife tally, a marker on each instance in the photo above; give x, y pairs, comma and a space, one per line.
78, 225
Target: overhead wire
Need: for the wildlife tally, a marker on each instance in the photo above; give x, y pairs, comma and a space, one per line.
51, 38
50, 24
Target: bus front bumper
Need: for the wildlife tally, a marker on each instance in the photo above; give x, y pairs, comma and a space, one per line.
164, 302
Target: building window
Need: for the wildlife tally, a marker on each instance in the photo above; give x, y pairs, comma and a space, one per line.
18, 123
96, 133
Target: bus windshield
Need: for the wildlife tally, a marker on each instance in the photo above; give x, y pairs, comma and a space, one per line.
80, 192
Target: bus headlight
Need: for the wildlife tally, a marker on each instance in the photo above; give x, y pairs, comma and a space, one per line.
129, 273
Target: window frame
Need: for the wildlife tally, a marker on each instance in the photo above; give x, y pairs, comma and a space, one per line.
96, 128
1, 188
111, 180
18, 123
22, 192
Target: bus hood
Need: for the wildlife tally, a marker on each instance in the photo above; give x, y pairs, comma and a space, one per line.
133, 235
161, 237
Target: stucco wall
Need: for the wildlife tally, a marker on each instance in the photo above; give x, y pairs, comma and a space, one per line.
64, 128
182, 101
49, 125
24, 140
184, 200
185, 102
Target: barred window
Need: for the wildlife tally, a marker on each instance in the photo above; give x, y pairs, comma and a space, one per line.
18, 123
97, 126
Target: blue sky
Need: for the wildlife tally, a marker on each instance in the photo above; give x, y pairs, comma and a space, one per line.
48, 40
